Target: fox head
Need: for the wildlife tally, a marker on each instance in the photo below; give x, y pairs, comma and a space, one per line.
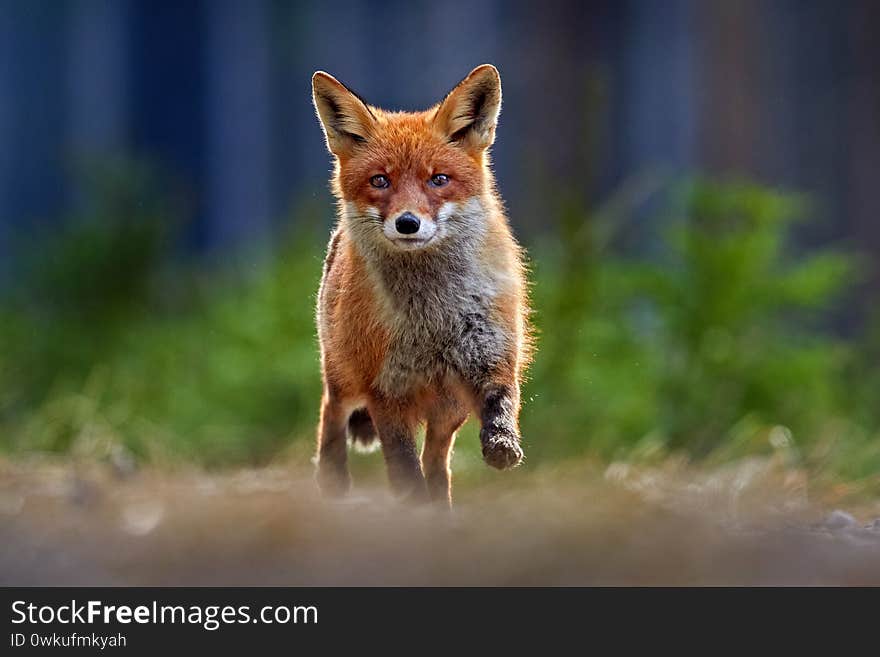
409, 181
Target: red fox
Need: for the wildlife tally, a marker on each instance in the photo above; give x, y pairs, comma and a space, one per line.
423, 309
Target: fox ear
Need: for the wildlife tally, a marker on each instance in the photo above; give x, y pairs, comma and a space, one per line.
469, 113
346, 119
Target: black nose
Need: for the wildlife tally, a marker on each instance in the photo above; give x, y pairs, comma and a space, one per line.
407, 223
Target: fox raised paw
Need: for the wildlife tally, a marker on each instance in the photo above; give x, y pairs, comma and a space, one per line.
501, 448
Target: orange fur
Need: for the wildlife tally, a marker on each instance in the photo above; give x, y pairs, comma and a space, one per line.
426, 327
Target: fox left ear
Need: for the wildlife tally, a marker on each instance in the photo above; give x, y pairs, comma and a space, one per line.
346, 119
469, 113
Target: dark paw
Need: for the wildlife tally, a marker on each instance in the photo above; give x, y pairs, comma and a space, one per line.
408, 486
333, 482
501, 449
416, 496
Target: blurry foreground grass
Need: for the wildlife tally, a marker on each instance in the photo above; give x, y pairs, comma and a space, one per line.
712, 344
750, 521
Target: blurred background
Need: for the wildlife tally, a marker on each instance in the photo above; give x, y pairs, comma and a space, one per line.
696, 183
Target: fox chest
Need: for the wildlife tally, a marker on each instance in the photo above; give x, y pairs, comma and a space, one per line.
441, 329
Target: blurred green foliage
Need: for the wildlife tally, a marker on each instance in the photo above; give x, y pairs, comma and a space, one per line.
715, 343
108, 340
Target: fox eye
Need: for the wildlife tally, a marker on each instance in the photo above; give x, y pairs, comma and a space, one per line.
380, 181
439, 179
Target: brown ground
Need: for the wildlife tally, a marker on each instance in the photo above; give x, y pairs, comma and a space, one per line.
747, 523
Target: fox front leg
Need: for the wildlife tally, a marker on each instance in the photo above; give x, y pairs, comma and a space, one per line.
396, 427
499, 434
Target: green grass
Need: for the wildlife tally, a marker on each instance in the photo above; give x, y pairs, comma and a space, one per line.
714, 345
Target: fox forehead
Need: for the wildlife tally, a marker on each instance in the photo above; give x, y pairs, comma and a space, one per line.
408, 149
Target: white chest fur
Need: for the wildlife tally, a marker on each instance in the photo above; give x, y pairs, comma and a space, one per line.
440, 326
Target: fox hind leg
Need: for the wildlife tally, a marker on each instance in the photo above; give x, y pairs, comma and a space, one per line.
332, 474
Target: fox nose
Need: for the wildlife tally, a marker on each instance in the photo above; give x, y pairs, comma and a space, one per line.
407, 223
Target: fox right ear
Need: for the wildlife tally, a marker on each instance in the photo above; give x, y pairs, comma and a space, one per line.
346, 119
469, 113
